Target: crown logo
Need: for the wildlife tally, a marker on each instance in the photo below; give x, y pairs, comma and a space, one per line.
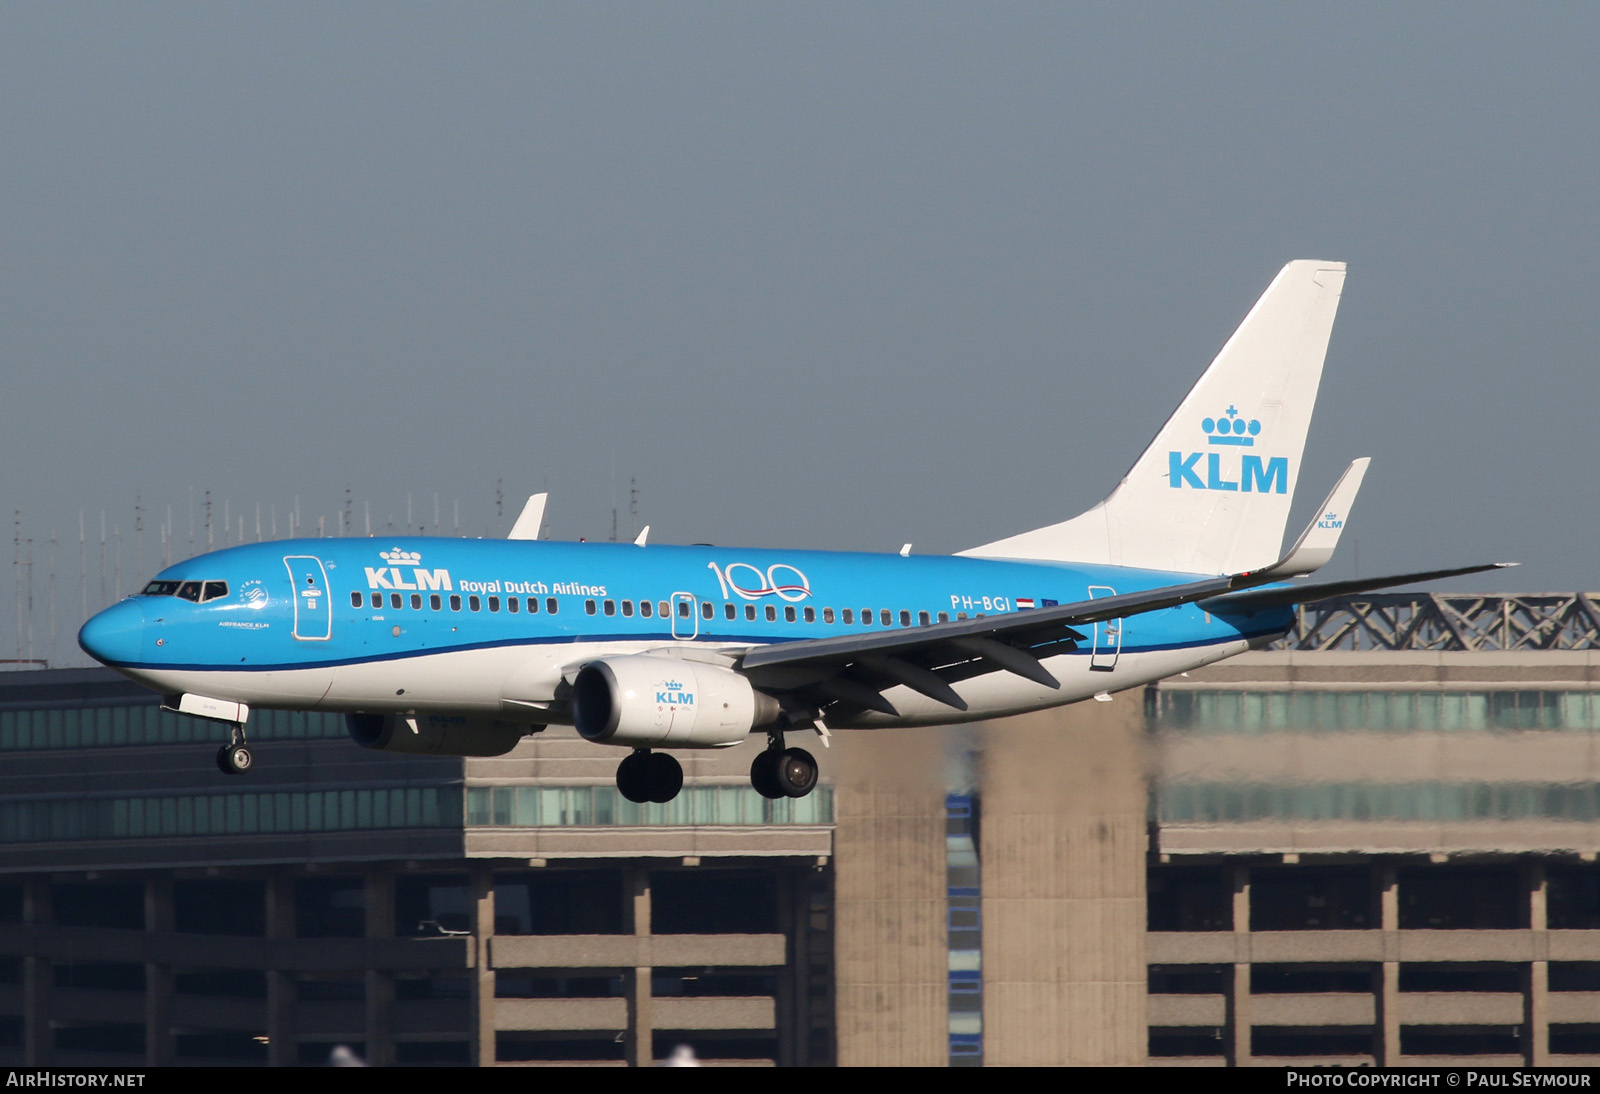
1232, 430
398, 556
673, 685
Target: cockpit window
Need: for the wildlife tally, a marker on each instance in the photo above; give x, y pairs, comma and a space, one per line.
198, 591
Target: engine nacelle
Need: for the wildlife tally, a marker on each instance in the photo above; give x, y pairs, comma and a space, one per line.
434, 734
661, 702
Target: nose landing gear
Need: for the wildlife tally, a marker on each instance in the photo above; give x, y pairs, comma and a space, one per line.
783, 772
234, 758
645, 776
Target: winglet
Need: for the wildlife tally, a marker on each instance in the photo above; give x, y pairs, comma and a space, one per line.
531, 522
1316, 544
644, 535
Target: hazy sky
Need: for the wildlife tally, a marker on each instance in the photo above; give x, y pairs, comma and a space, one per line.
819, 275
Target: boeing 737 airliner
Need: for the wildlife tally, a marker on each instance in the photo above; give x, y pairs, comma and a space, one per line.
463, 647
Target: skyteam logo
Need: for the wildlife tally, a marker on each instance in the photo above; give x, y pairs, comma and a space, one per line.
392, 576
1252, 474
671, 693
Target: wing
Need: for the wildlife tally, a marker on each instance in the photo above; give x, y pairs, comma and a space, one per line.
855, 668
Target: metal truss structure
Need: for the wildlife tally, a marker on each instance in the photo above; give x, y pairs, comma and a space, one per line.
1443, 621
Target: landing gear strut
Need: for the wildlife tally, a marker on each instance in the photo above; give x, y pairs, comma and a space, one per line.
645, 776
234, 758
783, 772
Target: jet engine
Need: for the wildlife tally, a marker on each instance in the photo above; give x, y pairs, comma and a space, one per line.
435, 734
661, 702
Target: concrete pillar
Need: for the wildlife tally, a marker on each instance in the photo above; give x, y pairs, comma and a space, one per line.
1237, 976
380, 984
280, 985
1063, 848
158, 986
639, 1040
484, 986
1387, 1009
1536, 987
36, 977
891, 942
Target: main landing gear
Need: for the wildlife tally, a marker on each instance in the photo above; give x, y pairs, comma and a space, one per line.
783, 772
234, 758
646, 776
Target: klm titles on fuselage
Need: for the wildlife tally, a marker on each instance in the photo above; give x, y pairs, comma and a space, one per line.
392, 577
1254, 475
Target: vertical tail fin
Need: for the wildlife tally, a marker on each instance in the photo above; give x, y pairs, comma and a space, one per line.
1212, 492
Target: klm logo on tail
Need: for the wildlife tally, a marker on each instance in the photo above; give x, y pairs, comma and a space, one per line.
1251, 475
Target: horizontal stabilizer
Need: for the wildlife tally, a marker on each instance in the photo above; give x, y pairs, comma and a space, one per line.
531, 522
1255, 600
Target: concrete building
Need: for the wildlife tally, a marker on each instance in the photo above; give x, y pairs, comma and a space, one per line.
1378, 847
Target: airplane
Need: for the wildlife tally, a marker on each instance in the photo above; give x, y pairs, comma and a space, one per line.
463, 647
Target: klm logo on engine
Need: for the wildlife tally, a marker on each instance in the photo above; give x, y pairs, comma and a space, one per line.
1250, 475
671, 694
392, 577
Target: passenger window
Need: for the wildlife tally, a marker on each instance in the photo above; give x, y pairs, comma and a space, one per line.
455, 602
849, 616
213, 590
474, 604
189, 590
533, 605
944, 617
416, 601
730, 611
683, 609
772, 614
922, 619
627, 609
886, 617
394, 601
611, 607
706, 609
827, 615
646, 608
511, 604
788, 614
550, 605
811, 615
750, 612
961, 615
866, 617
661, 609
905, 618
434, 602
588, 607
356, 600
494, 603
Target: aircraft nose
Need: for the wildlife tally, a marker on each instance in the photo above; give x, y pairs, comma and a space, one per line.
116, 635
